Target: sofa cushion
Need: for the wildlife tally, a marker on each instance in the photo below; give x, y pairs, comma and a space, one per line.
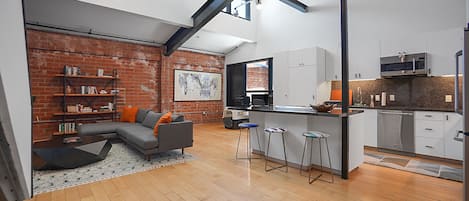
177, 118
151, 119
141, 114
166, 118
139, 135
101, 128
129, 114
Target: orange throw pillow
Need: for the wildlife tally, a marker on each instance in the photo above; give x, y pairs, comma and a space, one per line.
166, 118
129, 114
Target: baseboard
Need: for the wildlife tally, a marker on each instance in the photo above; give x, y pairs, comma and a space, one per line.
296, 165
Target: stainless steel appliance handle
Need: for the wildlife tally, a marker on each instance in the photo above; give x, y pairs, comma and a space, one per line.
457, 138
397, 113
456, 82
413, 65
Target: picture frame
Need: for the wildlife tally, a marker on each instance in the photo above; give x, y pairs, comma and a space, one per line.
197, 86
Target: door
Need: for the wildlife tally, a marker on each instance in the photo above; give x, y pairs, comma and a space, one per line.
235, 84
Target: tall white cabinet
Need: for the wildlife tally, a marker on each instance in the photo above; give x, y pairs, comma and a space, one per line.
297, 76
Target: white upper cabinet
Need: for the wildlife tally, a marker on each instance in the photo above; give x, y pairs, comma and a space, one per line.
297, 75
364, 59
306, 57
302, 85
409, 44
442, 47
280, 79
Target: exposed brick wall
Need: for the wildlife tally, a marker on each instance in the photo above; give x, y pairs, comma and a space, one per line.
258, 77
139, 68
199, 111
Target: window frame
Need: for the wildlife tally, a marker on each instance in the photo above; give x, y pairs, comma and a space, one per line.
247, 7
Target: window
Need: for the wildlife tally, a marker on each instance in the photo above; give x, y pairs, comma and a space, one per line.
239, 8
255, 76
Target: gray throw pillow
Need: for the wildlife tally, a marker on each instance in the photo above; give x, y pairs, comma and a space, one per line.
151, 119
177, 118
141, 114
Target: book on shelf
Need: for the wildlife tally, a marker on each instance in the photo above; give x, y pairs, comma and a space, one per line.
67, 128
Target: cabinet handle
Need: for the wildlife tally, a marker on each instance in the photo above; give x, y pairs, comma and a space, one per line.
359, 75
428, 129
428, 146
429, 116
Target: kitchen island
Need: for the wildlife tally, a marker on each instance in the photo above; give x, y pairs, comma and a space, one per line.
300, 119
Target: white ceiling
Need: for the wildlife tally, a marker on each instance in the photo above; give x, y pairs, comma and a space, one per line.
83, 17
80, 16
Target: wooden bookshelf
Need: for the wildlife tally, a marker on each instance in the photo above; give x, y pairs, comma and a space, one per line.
106, 82
81, 113
85, 95
65, 133
87, 76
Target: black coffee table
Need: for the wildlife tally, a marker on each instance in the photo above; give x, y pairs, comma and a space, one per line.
55, 154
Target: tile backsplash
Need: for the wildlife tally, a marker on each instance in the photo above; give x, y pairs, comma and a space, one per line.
414, 92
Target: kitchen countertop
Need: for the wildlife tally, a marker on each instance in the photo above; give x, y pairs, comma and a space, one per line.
403, 108
295, 110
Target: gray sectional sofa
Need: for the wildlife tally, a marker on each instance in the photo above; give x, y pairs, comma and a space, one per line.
175, 135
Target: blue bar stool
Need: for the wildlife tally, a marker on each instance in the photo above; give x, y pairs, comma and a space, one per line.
320, 136
248, 127
282, 132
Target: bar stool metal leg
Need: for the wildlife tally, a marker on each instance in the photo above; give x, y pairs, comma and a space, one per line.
267, 155
285, 152
303, 156
330, 162
248, 146
237, 147
267, 152
258, 141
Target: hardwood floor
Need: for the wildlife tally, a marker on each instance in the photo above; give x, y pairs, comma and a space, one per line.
216, 175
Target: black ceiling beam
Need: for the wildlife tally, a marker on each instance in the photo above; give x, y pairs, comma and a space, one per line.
296, 5
201, 17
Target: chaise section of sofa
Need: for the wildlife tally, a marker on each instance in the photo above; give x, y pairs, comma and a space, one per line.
175, 135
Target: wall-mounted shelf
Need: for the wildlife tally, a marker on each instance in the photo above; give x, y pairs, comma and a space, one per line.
82, 113
85, 95
86, 76
68, 81
65, 133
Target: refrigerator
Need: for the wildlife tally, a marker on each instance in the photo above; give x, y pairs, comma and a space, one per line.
465, 110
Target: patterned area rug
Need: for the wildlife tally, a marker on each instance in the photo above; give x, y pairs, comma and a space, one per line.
120, 161
430, 169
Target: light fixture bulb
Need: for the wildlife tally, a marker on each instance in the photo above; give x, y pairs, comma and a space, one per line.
259, 4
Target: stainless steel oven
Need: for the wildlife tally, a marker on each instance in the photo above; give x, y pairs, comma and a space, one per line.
404, 65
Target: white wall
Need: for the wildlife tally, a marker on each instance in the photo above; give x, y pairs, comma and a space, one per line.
15, 77
180, 12
282, 28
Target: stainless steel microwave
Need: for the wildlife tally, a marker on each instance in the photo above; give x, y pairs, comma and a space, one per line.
404, 65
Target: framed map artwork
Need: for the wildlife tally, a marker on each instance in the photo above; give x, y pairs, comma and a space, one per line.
196, 86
